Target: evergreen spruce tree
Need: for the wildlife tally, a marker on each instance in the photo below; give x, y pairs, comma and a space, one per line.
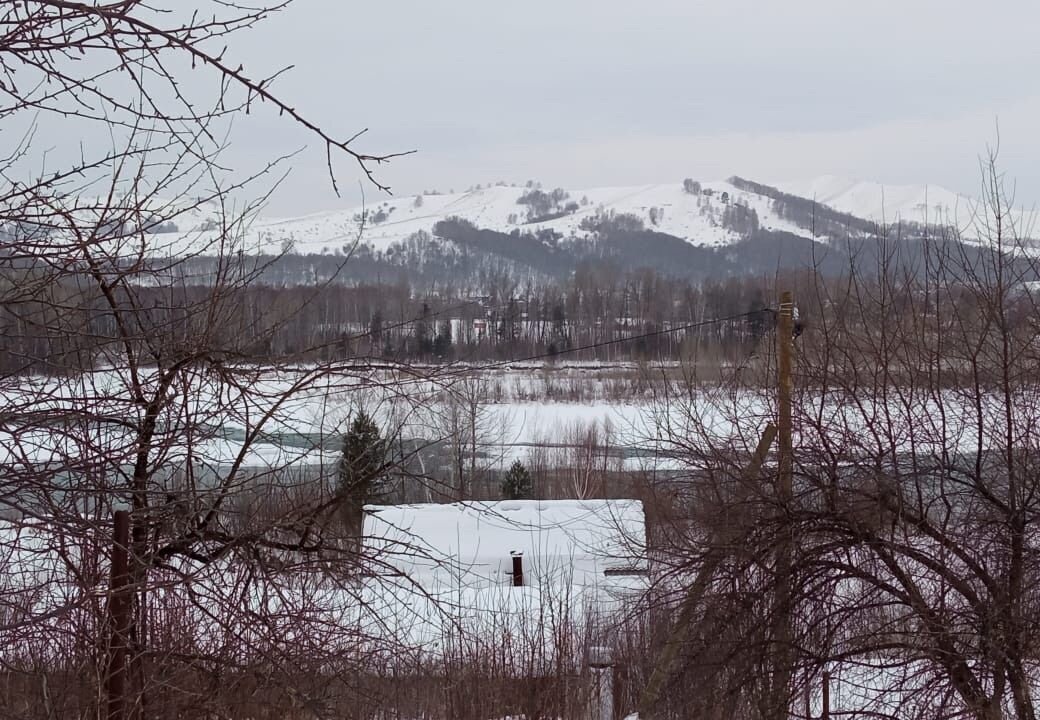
361, 469
517, 484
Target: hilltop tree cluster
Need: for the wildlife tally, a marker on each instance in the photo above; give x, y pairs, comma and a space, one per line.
546, 206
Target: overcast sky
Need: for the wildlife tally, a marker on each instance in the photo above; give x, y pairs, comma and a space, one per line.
622, 92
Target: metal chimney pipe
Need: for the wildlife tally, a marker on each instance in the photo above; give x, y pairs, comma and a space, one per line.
518, 569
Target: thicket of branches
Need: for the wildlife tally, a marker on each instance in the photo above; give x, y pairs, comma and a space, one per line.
912, 528
130, 380
152, 398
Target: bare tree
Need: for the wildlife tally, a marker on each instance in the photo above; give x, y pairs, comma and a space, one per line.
162, 392
472, 432
913, 569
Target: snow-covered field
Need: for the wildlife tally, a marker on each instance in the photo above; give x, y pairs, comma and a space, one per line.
390, 610
271, 419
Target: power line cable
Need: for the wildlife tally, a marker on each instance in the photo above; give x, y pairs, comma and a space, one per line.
601, 344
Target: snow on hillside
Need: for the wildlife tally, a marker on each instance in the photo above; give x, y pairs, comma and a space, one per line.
917, 203
497, 208
665, 208
885, 203
695, 218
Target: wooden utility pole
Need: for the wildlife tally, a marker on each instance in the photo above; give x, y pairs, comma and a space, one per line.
784, 338
782, 431
783, 664
119, 618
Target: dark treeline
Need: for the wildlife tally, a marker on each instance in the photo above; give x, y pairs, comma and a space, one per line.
464, 294
58, 326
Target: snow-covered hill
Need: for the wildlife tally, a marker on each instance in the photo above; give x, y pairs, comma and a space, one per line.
700, 213
885, 203
693, 217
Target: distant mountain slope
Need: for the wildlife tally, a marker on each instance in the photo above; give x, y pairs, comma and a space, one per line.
696, 218
709, 215
885, 203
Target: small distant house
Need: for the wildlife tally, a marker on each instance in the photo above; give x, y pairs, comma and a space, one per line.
506, 569
524, 593
586, 544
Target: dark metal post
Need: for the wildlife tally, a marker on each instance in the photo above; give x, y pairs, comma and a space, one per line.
808, 698
601, 669
518, 569
825, 714
119, 617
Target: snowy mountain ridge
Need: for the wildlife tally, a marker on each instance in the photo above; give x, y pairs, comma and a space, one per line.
872, 200
711, 214
668, 208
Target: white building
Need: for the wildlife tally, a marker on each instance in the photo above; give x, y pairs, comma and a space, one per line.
582, 543
441, 571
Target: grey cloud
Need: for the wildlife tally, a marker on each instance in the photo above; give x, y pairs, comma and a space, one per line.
616, 91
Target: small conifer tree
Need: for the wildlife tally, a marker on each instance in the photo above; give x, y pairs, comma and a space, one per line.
362, 468
517, 484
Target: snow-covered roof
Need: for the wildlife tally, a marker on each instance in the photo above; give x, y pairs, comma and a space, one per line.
585, 543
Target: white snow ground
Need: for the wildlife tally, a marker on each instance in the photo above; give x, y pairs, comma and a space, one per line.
211, 422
